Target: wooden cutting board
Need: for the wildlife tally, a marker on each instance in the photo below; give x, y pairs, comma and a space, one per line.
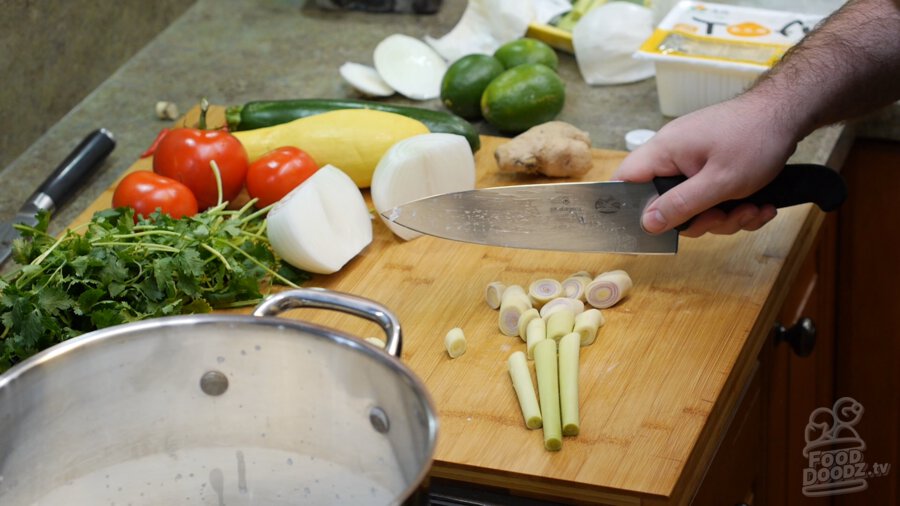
657, 386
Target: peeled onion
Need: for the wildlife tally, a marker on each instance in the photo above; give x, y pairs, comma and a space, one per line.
409, 66
322, 224
419, 167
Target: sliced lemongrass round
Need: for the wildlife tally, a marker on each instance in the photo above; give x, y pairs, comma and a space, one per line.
573, 286
543, 290
560, 323
365, 79
410, 66
583, 274
607, 289
511, 308
526, 317
455, 342
535, 332
561, 302
515, 289
493, 293
587, 324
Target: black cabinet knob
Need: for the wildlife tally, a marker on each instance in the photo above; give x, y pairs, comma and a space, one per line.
801, 337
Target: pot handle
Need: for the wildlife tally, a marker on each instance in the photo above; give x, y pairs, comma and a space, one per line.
338, 301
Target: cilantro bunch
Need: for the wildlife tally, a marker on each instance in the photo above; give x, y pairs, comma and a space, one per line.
117, 269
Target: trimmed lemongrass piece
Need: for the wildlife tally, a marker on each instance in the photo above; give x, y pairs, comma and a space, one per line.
546, 369
521, 380
569, 349
560, 323
374, 341
513, 303
493, 293
321, 224
559, 303
607, 289
587, 324
526, 317
542, 291
455, 342
573, 287
417, 167
535, 332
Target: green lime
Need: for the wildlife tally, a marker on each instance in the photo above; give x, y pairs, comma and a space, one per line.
465, 81
526, 50
522, 97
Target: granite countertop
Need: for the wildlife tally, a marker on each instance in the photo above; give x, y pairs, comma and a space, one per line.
233, 51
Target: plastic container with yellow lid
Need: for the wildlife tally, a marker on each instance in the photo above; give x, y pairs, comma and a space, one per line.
706, 53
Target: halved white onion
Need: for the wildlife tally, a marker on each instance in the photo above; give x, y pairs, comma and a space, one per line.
419, 167
410, 66
365, 79
322, 224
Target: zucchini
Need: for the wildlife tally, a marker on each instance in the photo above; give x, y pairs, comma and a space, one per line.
265, 113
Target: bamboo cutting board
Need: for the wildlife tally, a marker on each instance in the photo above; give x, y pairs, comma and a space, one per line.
657, 386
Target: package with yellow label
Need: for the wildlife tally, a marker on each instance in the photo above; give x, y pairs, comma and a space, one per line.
706, 53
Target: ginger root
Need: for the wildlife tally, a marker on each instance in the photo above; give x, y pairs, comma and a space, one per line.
554, 149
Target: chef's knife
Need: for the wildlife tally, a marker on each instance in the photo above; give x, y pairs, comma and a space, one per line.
592, 216
59, 186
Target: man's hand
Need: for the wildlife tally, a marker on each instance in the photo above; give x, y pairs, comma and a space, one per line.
728, 151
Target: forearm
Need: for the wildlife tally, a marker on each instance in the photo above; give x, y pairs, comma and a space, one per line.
848, 67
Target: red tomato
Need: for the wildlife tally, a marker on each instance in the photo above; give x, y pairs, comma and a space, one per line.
145, 192
278, 172
184, 155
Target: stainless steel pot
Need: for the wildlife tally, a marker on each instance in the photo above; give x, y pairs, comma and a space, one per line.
218, 409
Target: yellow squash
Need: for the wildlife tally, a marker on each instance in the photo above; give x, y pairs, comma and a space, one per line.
352, 140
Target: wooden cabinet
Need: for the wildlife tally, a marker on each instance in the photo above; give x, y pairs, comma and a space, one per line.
849, 287
795, 385
760, 460
868, 304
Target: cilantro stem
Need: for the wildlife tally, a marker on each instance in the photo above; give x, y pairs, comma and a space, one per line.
262, 266
149, 232
257, 214
215, 168
217, 254
149, 245
40, 258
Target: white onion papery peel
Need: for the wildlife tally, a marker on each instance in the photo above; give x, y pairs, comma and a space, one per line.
322, 224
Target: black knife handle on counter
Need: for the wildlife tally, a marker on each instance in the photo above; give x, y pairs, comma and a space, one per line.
83, 160
796, 184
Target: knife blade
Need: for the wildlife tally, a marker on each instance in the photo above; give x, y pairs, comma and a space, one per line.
590, 216
59, 185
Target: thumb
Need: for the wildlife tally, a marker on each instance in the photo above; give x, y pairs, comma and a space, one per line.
679, 205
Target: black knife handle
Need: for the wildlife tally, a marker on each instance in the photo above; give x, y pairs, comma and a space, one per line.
83, 160
796, 184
